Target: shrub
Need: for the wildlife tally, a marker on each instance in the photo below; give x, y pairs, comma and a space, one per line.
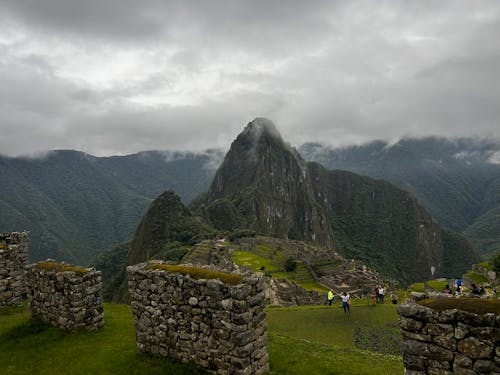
240, 233
290, 265
495, 261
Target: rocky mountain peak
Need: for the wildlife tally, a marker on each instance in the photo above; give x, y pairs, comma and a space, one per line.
259, 127
264, 185
259, 135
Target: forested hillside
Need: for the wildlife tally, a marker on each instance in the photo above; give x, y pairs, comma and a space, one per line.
75, 205
458, 181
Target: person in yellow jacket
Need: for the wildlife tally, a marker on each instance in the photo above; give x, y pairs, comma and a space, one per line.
330, 297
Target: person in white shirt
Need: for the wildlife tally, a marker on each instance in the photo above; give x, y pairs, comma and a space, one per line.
381, 293
346, 302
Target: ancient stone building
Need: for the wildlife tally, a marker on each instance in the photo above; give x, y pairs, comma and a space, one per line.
13, 260
65, 296
449, 342
200, 314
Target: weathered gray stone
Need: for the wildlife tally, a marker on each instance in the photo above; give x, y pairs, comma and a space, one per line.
426, 350
410, 324
475, 348
485, 366
463, 361
438, 371
448, 316
439, 329
413, 362
446, 342
416, 336
439, 364
461, 331
470, 319
418, 312
457, 370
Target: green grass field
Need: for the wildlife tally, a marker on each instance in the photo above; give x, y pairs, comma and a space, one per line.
303, 340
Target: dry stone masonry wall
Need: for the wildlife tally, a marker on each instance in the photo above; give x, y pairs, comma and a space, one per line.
65, 296
13, 260
214, 324
449, 342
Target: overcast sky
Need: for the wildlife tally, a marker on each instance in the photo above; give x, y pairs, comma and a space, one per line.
121, 76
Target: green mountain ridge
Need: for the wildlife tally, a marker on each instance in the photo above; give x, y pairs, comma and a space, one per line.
457, 180
76, 205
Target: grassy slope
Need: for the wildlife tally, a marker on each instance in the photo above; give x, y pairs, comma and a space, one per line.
306, 340
273, 262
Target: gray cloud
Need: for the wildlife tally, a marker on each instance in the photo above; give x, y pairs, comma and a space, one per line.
114, 77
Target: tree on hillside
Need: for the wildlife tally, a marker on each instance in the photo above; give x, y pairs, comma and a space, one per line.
495, 261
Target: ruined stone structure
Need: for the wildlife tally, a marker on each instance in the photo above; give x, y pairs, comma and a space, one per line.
65, 296
284, 292
13, 260
449, 342
188, 313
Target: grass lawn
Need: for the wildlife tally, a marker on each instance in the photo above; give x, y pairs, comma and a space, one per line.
302, 340
321, 340
29, 347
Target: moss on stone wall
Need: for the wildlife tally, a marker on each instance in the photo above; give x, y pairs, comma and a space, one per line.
198, 273
60, 267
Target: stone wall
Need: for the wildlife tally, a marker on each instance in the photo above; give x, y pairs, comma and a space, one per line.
449, 342
13, 260
65, 296
212, 323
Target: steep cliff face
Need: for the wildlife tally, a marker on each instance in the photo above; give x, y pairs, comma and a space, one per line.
263, 184
380, 224
267, 184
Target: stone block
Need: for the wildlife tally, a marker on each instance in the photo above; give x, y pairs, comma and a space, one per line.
463, 361
439, 329
457, 370
485, 366
475, 348
426, 350
409, 324
414, 362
